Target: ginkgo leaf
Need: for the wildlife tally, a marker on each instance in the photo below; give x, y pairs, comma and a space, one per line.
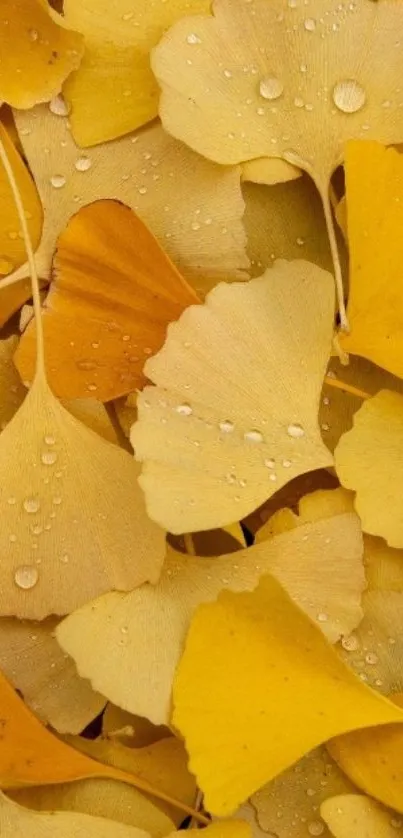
44, 52
369, 461
119, 640
269, 170
373, 760
233, 417
375, 649
16, 821
198, 222
269, 676
374, 192
101, 798
289, 806
133, 731
163, 764
338, 406
283, 70
30, 755
113, 295
34, 663
247, 812
11, 244
65, 535
315, 506
383, 565
286, 221
114, 90
352, 815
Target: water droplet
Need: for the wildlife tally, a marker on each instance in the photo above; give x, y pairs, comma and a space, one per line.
310, 26
92, 387
371, 658
31, 505
322, 618
124, 630
26, 577
184, 409
269, 463
64, 559
83, 163
33, 34
273, 477
12, 538
12, 501
49, 439
227, 74
350, 643
58, 181
226, 427
325, 426
295, 430
286, 463
310, 792
59, 106
396, 822
253, 436
48, 458
349, 96
270, 87
57, 501
298, 102
316, 828
192, 38
36, 529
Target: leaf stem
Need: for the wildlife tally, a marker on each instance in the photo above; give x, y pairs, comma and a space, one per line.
40, 357
327, 209
347, 388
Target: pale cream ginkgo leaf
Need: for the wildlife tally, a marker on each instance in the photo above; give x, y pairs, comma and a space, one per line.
233, 417
198, 222
353, 815
32, 660
16, 821
129, 645
279, 79
67, 535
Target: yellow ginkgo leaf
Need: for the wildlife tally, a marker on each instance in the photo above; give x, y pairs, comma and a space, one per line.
369, 461
374, 191
114, 90
269, 170
101, 798
288, 807
383, 565
12, 251
286, 221
34, 663
324, 503
338, 406
38, 51
270, 676
233, 417
375, 649
16, 821
67, 535
357, 816
281, 69
198, 222
373, 760
163, 764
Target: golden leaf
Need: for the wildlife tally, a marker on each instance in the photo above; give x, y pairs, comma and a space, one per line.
233, 417
34, 663
353, 815
374, 192
369, 461
113, 295
114, 90
44, 51
198, 222
269, 676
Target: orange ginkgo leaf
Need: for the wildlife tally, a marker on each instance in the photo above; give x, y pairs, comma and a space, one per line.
30, 755
114, 293
37, 51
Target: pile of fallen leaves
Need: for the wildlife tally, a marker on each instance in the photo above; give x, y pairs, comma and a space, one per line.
201, 449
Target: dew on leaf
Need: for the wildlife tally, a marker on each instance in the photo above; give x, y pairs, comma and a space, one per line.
26, 577
31, 505
349, 96
270, 87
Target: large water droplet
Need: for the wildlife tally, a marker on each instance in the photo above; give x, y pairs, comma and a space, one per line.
58, 181
26, 577
59, 107
192, 38
49, 458
31, 505
295, 430
316, 828
270, 87
184, 409
253, 436
349, 96
83, 163
226, 427
310, 24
